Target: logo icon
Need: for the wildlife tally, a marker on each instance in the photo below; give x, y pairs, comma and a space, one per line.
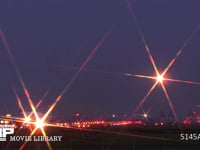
5, 130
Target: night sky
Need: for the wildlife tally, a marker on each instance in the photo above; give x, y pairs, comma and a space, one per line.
50, 37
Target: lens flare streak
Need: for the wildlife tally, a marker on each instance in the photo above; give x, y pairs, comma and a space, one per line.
146, 96
77, 74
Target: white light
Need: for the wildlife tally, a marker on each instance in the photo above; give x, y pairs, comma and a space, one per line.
27, 120
145, 115
160, 78
39, 124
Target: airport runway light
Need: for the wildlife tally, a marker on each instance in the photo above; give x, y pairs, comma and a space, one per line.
145, 115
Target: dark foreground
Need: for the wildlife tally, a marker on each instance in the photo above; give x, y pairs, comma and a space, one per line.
111, 138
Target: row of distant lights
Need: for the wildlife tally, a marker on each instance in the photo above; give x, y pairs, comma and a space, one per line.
6, 122
87, 124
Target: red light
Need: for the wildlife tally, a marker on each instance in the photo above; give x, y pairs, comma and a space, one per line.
156, 124
77, 114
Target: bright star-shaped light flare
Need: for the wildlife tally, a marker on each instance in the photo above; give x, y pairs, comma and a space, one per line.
160, 78
27, 120
40, 124
145, 114
27, 94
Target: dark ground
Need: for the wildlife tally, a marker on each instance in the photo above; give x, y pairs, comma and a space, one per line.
112, 138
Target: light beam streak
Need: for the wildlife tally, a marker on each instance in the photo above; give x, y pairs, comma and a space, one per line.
142, 37
133, 75
146, 96
182, 81
181, 49
169, 102
19, 103
18, 73
77, 73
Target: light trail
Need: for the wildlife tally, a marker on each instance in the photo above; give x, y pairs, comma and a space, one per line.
19, 103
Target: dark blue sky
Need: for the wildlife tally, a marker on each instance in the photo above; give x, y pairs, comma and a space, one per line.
46, 36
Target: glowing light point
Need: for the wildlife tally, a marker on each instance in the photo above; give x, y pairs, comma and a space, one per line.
27, 120
145, 115
160, 78
113, 116
77, 115
40, 124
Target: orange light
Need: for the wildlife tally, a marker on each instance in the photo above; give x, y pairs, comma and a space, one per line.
8, 115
